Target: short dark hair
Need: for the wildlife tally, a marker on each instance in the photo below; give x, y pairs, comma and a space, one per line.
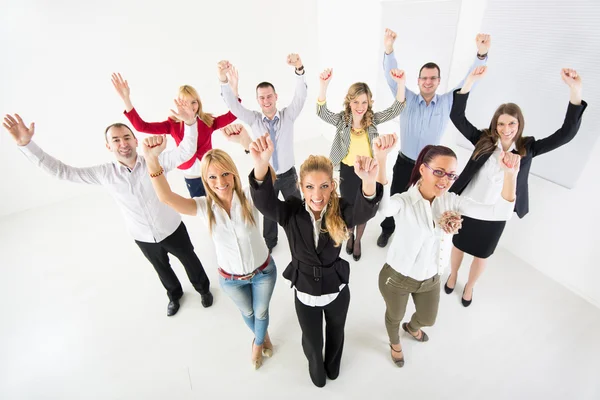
431, 65
264, 85
117, 125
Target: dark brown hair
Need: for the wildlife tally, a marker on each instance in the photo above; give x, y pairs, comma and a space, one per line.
489, 140
117, 125
264, 85
426, 155
431, 65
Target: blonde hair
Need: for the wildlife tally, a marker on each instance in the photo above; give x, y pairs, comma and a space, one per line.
335, 225
356, 90
224, 162
189, 91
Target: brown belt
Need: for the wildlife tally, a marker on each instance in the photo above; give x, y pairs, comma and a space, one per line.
245, 277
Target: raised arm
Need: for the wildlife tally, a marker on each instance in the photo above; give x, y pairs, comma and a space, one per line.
483, 43
398, 105
23, 135
459, 106
261, 182
572, 121
502, 210
229, 78
187, 148
301, 92
382, 146
367, 200
322, 110
153, 147
237, 133
154, 128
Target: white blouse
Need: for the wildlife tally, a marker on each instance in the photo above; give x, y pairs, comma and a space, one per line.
420, 249
486, 185
239, 245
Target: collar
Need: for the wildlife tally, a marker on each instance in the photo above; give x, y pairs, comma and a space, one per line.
433, 100
123, 167
235, 202
414, 194
312, 216
511, 148
274, 116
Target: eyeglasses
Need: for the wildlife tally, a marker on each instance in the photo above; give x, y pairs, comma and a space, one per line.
440, 174
429, 78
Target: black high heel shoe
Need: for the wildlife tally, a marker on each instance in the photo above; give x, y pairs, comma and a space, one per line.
466, 303
350, 244
447, 289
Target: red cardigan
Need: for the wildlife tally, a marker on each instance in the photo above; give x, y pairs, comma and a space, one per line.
176, 129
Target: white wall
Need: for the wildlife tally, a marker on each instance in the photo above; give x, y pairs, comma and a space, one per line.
58, 57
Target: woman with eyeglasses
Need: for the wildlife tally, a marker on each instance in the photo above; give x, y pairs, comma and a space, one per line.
482, 179
356, 128
426, 216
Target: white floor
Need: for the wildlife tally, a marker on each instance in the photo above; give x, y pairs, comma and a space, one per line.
84, 317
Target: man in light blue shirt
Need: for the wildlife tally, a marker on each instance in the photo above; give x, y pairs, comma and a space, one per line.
424, 118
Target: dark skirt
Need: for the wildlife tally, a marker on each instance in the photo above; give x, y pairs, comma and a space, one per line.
350, 183
478, 238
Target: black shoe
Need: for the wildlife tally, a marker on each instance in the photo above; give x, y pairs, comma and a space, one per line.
382, 240
207, 299
332, 375
466, 303
350, 244
172, 308
447, 289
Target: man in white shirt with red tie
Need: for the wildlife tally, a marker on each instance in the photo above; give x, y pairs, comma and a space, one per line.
156, 228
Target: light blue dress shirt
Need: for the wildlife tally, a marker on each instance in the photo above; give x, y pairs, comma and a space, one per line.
422, 124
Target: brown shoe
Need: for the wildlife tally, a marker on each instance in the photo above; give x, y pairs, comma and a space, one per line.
398, 361
423, 337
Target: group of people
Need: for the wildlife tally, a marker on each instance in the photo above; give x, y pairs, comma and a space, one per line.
429, 203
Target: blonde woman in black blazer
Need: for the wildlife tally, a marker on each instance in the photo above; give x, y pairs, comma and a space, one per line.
356, 128
316, 228
479, 180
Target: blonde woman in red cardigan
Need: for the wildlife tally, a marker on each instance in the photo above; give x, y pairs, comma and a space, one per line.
207, 124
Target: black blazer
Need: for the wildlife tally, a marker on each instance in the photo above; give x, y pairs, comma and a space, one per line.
319, 270
533, 147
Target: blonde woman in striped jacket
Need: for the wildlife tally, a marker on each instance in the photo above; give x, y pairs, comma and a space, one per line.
356, 128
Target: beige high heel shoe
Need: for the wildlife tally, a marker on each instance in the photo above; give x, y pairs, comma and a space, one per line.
267, 350
256, 362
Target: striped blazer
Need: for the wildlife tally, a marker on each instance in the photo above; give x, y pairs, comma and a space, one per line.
341, 141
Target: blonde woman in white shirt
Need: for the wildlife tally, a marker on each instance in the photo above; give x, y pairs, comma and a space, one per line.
427, 214
247, 271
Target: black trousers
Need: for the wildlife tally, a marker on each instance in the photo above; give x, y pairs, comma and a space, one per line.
178, 244
311, 323
287, 184
401, 176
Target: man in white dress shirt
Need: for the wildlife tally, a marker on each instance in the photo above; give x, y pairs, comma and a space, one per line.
156, 228
278, 123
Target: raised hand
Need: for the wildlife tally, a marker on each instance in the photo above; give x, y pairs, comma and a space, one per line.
223, 67
325, 76
233, 77
398, 76
366, 168
389, 37
121, 86
383, 144
294, 60
477, 73
484, 42
571, 78
261, 150
17, 129
184, 112
154, 145
237, 133
510, 163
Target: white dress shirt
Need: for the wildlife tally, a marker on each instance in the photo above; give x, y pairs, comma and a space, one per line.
284, 128
239, 245
486, 185
147, 219
420, 249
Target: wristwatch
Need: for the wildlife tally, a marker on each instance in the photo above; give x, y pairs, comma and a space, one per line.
481, 56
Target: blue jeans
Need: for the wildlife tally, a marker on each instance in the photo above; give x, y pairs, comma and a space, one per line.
252, 297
